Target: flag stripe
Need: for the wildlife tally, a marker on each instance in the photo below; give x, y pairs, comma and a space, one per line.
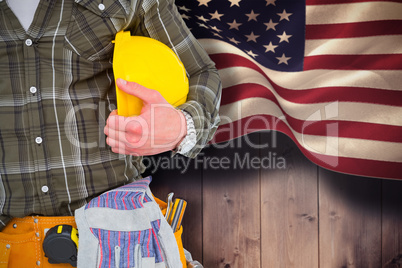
332, 2
354, 46
356, 29
353, 12
354, 62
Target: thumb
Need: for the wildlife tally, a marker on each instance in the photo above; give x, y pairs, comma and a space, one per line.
145, 94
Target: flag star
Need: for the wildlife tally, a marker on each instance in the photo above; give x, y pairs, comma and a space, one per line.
202, 25
252, 37
218, 35
216, 29
284, 37
270, 2
252, 15
284, 15
202, 18
203, 2
283, 59
216, 15
234, 25
234, 2
270, 25
270, 47
251, 53
234, 40
184, 8
184, 16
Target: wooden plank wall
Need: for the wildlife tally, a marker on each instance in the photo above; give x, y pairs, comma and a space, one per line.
264, 214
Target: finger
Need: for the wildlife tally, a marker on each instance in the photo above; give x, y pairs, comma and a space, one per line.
145, 94
134, 124
122, 148
122, 136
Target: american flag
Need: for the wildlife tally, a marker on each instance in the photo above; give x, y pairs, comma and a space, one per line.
328, 73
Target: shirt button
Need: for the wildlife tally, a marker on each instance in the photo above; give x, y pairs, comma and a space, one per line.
38, 140
28, 42
33, 90
101, 6
45, 189
38, 263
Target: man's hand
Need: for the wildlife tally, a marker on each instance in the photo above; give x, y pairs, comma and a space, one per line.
159, 127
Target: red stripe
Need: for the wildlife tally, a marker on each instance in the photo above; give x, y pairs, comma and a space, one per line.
139, 201
362, 167
124, 203
110, 250
100, 246
354, 62
317, 95
354, 29
149, 240
139, 237
330, 2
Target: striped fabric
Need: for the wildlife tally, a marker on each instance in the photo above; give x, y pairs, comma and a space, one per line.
127, 248
126, 245
328, 73
57, 90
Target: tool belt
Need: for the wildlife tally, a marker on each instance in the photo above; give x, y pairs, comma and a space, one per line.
124, 227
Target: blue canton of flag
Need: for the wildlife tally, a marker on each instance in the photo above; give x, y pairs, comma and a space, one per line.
272, 32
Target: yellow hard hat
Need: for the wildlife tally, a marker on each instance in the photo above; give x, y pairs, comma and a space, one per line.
150, 63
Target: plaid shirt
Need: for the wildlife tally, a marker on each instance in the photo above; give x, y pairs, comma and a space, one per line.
57, 89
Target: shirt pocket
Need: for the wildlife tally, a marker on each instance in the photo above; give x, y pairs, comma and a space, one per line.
93, 26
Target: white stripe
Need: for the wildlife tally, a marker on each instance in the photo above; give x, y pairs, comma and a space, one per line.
76, 150
334, 146
316, 78
348, 111
353, 12
354, 46
55, 108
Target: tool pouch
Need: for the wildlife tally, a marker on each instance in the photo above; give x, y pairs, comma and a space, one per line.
125, 227
177, 235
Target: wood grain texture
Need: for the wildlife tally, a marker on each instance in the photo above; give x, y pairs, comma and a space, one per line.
392, 224
289, 212
171, 175
350, 221
231, 219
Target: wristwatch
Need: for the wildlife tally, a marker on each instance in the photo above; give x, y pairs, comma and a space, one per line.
190, 139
